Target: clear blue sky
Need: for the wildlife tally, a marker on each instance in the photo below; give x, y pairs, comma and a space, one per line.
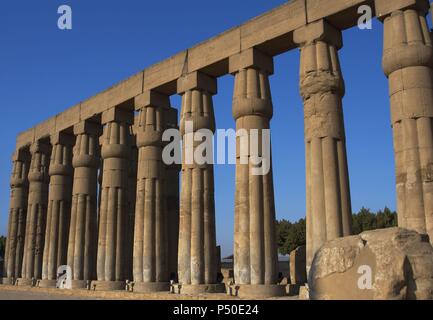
45, 70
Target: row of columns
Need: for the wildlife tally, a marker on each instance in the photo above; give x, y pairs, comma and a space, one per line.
255, 243
57, 182
151, 218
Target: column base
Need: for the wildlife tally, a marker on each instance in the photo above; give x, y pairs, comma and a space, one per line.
293, 289
194, 289
7, 281
108, 285
46, 283
23, 282
149, 287
304, 293
79, 284
258, 291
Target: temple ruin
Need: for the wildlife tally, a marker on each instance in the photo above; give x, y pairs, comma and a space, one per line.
89, 188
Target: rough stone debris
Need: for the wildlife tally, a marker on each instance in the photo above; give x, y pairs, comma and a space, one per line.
389, 264
142, 237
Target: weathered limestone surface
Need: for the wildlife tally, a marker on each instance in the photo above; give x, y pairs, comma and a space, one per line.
342, 14
255, 248
322, 88
116, 151
83, 228
298, 271
142, 232
17, 216
197, 236
36, 213
407, 62
151, 225
384, 8
59, 208
401, 264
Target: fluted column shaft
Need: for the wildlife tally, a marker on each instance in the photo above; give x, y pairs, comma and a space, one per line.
17, 214
83, 228
197, 237
36, 211
407, 62
116, 148
255, 246
59, 205
322, 89
151, 225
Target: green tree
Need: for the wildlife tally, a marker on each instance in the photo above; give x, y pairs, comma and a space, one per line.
292, 235
296, 237
366, 220
363, 220
283, 230
386, 218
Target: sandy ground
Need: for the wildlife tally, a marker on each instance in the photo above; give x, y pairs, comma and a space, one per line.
26, 293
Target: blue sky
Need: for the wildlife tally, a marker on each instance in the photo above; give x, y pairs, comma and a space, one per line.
45, 70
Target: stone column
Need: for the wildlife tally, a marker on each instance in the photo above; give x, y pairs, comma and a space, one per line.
36, 213
407, 62
17, 216
150, 242
197, 238
255, 243
297, 263
59, 208
83, 231
116, 149
173, 201
329, 213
